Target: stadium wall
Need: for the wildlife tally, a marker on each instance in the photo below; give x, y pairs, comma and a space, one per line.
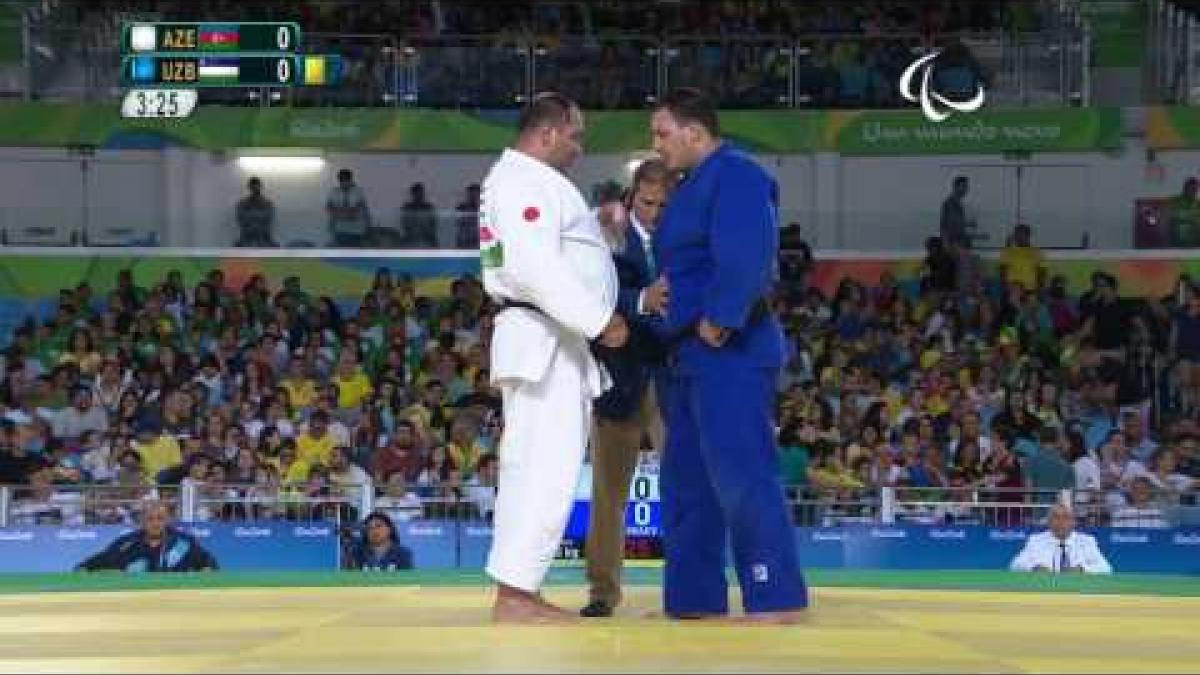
185, 197
442, 544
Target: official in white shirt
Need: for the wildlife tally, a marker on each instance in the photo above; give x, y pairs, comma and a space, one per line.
1061, 549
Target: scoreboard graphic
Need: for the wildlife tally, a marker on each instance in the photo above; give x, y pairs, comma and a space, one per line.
163, 63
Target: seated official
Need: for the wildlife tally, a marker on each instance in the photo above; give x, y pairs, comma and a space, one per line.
155, 547
379, 549
1061, 549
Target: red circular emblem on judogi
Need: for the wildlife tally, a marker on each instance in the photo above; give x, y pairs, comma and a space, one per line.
532, 214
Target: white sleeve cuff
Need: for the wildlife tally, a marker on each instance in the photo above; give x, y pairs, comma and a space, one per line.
641, 303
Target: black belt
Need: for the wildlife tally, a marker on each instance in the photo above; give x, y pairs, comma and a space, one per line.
760, 310
517, 304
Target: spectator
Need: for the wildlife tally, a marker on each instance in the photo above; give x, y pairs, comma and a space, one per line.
398, 501
467, 235
349, 217
1048, 469
435, 474
419, 219
399, 456
484, 395
1183, 215
1003, 472
82, 353
157, 451
1184, 349
1188, 449
110, 385
1141, 446
795, 441
464, 448
940, 271
42, 504
1021, 262
1086, 468
255, 216
480, 488
1061, 549
1143, 508
300, 387
96, 457
353, 385
1118, 467
344, 474
1105, 319
1165, 476
81, 417
314, 445
378, 548
957, 226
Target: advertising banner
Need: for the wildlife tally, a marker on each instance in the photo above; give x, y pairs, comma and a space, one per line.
986, 132
1172, 127
236, 546
447, 544
414, 130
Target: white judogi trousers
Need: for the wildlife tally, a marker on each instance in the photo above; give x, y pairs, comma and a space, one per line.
541, 454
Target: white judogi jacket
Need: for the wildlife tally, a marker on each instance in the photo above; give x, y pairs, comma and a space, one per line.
1043, 550
540, 243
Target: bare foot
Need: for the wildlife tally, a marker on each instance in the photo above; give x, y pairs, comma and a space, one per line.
514, 606
553, 610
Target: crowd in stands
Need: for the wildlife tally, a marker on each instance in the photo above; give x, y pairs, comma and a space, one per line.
259, 396
973, 388
948, 388
849, 53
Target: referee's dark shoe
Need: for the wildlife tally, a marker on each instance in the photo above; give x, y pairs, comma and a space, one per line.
596, 609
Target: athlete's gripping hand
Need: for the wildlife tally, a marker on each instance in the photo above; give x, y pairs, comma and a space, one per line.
616, 333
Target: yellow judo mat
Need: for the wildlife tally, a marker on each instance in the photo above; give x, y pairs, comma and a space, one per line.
438, 628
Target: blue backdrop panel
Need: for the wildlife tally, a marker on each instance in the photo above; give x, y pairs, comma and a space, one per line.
242, 546
448, 545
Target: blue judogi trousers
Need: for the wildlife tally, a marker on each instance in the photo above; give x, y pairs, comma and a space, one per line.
720, 489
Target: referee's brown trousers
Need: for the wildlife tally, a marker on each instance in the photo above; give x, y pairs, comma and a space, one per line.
616, 444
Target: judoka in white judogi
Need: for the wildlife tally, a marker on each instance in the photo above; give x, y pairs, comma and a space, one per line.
540, 244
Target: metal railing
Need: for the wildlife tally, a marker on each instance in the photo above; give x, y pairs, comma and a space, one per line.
1174, 48
80, 504
1047, 66
77, 505
987, 506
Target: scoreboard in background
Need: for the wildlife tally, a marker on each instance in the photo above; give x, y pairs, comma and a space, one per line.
165, 62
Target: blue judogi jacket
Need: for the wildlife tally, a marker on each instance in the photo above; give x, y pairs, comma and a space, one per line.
717, 244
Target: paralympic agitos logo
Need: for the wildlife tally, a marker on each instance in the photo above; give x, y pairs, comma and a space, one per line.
929, 99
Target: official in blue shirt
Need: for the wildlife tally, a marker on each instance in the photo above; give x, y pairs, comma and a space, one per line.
717, 246
154, 547
629, 410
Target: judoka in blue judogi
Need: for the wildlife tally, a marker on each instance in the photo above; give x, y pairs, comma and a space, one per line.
720, 486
